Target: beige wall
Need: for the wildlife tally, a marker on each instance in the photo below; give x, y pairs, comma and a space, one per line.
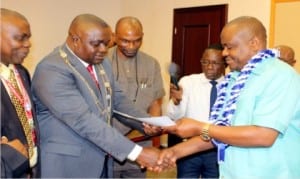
50, 20
287, 26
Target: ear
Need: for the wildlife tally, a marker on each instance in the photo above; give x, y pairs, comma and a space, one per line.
112, 41
255, 44
113, 37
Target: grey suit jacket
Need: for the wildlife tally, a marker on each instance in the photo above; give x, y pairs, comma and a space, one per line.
75, 137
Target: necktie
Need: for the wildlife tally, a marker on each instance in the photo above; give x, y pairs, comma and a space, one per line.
213, 93
91, 71
21, 113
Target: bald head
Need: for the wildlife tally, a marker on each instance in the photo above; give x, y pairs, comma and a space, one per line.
249, 27
129, 37
7, 14
128, 22
15, 35
84, 21
89, 37
242, 38
287, 54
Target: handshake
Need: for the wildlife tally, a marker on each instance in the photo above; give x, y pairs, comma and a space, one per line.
156, 160
152, 158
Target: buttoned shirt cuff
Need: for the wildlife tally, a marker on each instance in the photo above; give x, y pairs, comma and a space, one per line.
133, 155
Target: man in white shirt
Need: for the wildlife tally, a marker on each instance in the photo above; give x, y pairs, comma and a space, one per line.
193, 100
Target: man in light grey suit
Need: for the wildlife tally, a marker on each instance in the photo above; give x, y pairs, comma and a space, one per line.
74, 107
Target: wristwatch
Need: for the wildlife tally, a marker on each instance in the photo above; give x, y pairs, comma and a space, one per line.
204, 133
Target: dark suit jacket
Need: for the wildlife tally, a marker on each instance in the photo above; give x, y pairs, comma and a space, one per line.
13, 163
75, 136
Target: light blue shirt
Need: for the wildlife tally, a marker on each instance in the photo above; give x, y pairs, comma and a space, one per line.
271, 98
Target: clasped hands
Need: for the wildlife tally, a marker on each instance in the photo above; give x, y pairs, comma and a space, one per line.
158, 160
16, 144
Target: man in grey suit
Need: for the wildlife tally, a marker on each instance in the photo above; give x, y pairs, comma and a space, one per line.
75, 95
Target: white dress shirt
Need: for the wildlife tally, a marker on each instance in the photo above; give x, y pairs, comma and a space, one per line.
195, 98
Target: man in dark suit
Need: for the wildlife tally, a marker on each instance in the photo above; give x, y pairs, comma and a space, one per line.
75, 95
19, 143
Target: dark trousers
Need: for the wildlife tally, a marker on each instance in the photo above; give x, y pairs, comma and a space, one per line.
104, 173
203, 164
107, 171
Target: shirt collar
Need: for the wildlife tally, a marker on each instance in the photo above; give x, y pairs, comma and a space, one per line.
205, 80
83, 62
5, 70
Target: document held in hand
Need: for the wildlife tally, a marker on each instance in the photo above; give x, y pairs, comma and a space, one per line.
162, 121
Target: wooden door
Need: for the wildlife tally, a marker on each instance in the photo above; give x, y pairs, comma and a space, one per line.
195, 29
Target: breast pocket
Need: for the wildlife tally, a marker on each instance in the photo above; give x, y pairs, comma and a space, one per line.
145, 94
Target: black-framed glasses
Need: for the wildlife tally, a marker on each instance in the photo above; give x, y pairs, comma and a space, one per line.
206, 62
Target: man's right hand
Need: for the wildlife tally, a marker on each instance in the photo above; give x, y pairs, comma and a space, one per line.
16, 144
149, 159
175, 94
167, 157
185, 128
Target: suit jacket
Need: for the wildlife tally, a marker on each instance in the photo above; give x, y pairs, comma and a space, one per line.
75, 136
13, 163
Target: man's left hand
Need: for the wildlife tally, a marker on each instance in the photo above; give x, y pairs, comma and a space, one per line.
152, 130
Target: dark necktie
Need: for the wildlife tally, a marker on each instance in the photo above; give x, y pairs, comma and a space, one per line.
93, 75
213, 93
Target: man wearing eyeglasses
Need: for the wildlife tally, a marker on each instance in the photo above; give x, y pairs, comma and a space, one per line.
194, 99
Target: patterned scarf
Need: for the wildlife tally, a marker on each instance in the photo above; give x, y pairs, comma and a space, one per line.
229, 106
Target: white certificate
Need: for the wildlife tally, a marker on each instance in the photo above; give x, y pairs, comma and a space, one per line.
162, 121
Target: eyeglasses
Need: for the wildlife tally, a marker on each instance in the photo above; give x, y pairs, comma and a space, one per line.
205, 62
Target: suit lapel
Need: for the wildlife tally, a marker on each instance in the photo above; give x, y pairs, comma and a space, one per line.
86, 75
26, 82
101, 85
10, 123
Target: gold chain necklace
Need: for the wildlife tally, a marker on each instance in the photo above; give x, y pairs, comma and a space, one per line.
108, 90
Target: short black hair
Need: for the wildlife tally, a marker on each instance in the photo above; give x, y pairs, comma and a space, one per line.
216, 46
